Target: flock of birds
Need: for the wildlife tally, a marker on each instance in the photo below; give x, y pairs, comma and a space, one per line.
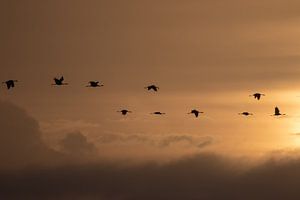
60, 82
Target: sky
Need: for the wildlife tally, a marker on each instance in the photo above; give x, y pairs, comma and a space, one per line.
205, 55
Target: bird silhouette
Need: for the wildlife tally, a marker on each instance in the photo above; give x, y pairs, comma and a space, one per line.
94, 84
152, 87
245, 113
257, 95
59, 81
10, 83
124, 112
277, 112
195, 112
158, 113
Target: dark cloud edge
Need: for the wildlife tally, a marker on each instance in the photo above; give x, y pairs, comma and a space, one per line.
203, 176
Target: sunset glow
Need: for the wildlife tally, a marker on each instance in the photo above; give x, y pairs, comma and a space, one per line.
160, 99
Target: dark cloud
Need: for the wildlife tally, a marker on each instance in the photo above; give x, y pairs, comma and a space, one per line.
20, 138
204, 176
21, 143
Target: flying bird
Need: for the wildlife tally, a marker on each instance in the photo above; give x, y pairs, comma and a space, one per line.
257, 95
277, 112
59, 81
245, 113
158, 113
195, 112
124, 112
94, 84
10, 83
152, 87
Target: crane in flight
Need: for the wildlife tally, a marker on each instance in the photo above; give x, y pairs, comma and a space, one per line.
152, 87
94, 84
245, 113
257, 95
124, 111
195, 112
157, 113
10, 83
59, 81
277, 112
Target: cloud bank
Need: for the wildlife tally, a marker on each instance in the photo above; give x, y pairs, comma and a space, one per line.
32, 170
205, 176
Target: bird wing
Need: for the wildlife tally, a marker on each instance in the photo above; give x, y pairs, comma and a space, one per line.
277, 111
8, 85
62, 79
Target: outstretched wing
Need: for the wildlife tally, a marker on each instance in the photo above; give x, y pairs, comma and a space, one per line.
61, 79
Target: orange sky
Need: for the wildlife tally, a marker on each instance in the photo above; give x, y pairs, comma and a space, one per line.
61, 143
203, 54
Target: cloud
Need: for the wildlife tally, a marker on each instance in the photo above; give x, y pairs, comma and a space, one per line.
162, 141
76, 144
20, 139
22, 144
191, 140
204, 176
63, 125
